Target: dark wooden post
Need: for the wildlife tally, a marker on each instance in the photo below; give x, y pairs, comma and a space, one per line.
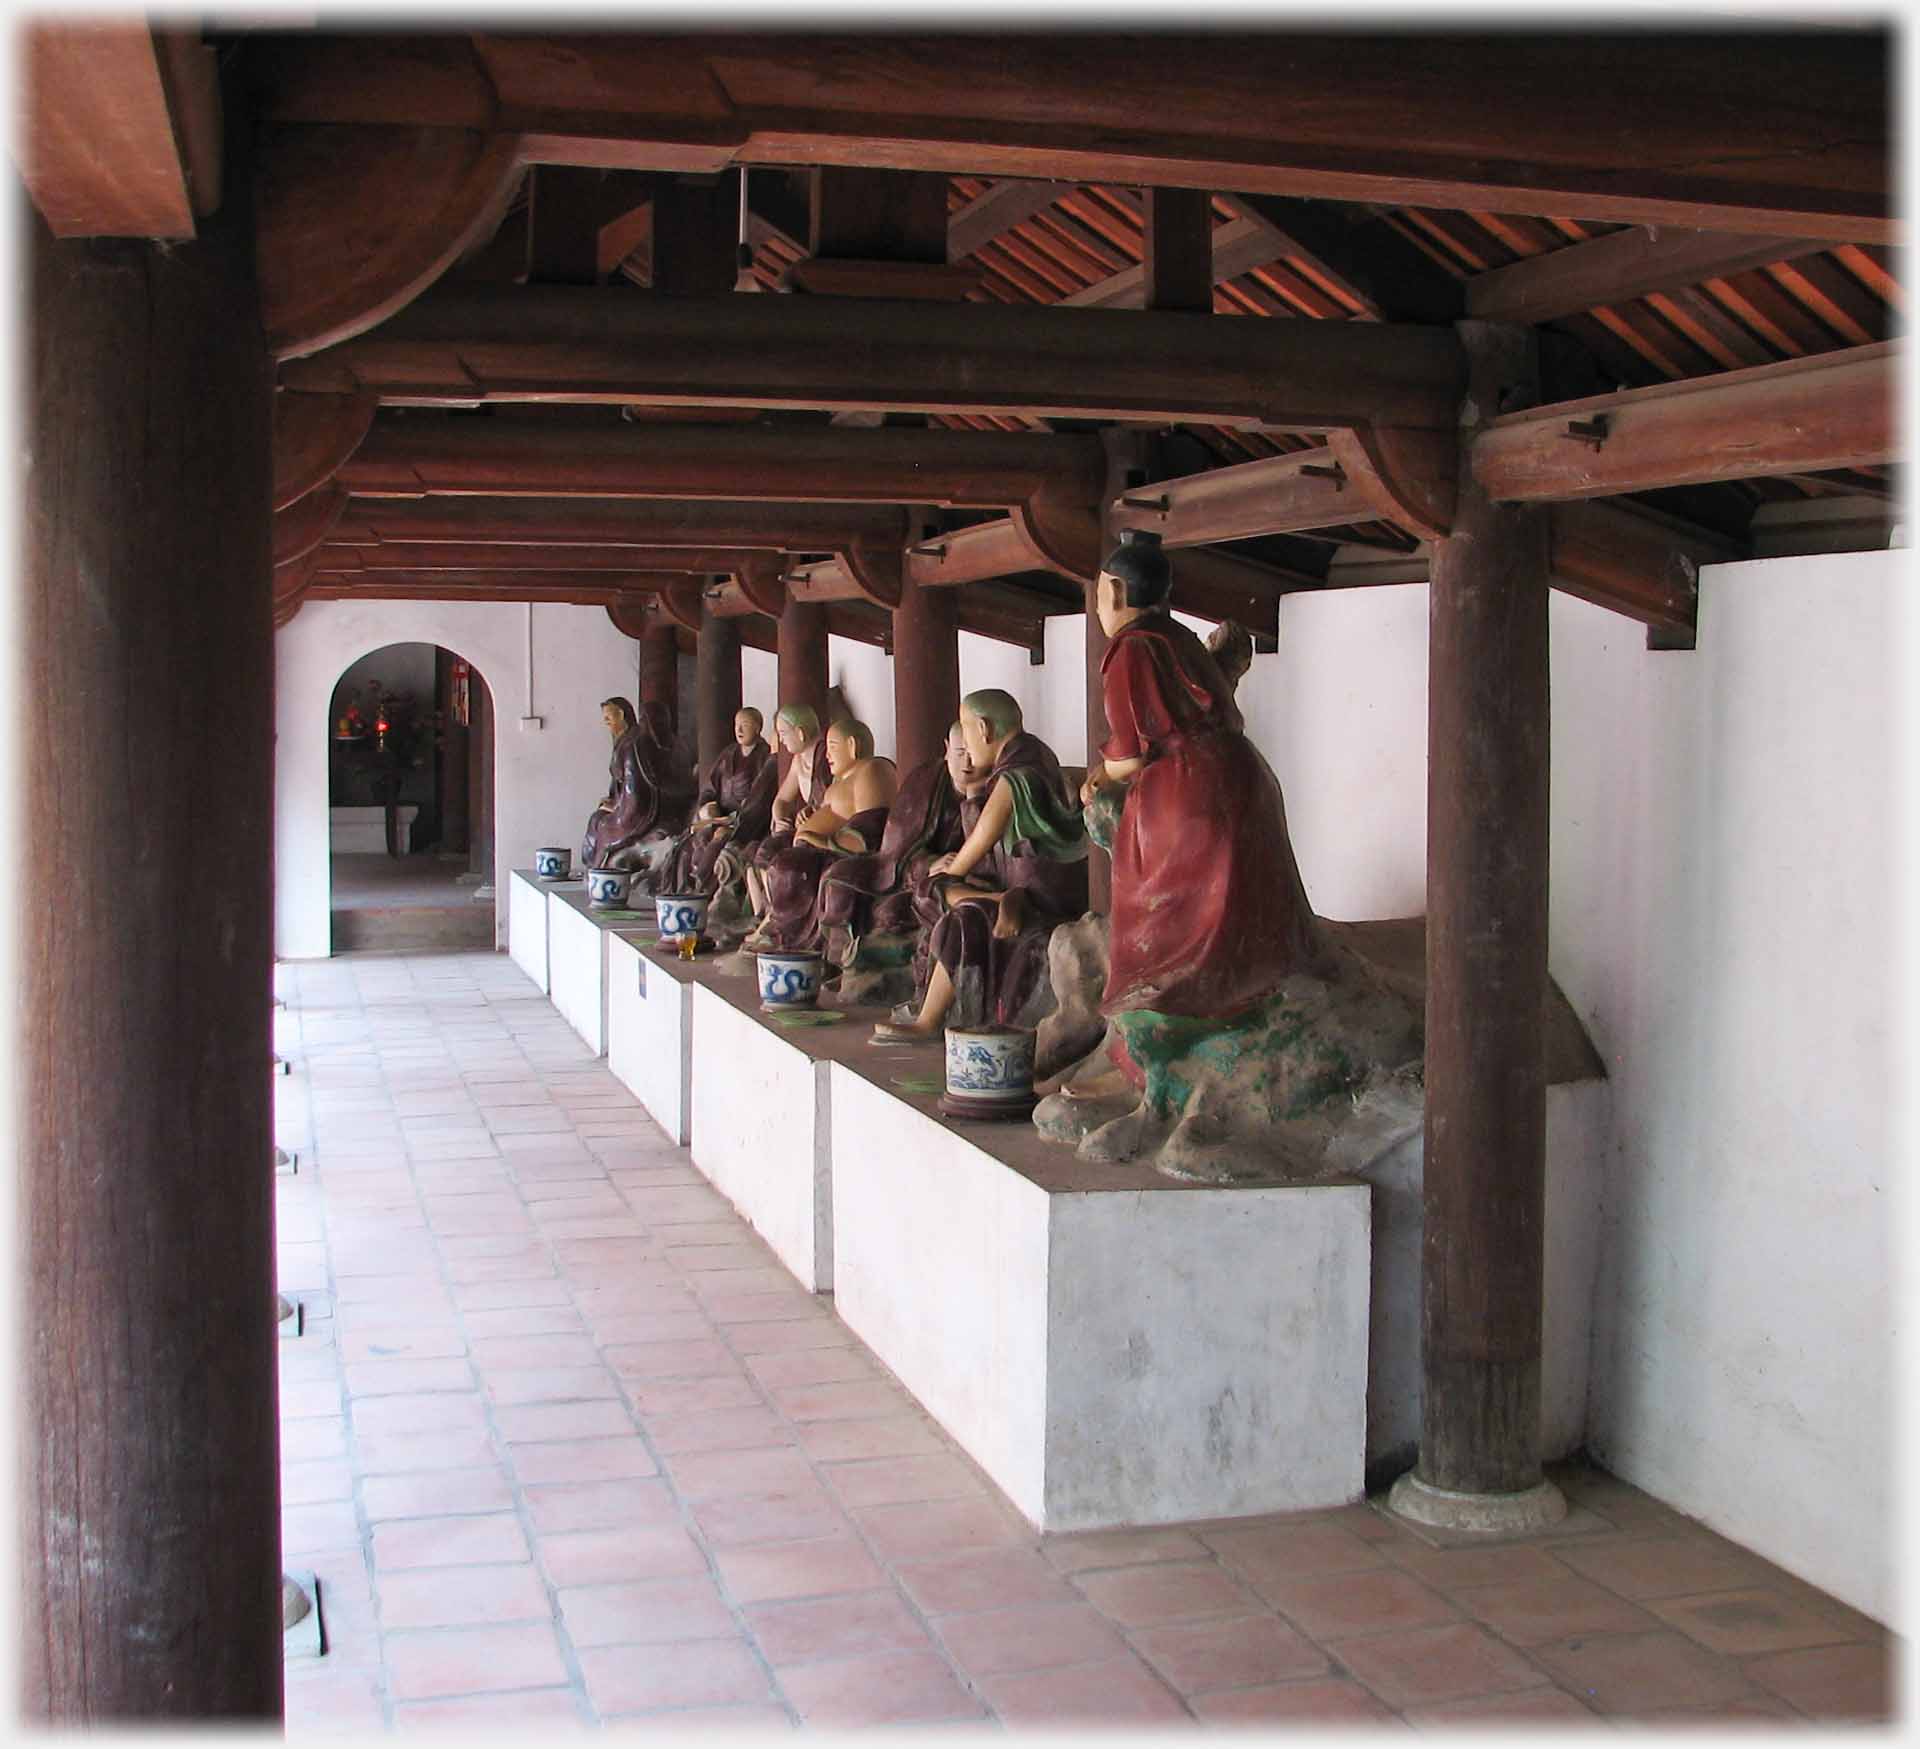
802, 655
660, 669
696, 222
148, 1499
716, 685
1125, 449
1487, 829
926, 673
1179, 249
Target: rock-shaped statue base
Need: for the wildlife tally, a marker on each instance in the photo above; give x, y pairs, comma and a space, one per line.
1315, 1083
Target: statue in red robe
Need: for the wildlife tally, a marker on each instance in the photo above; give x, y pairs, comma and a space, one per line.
1208, 912
646, 793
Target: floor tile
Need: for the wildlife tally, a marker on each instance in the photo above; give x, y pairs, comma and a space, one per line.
1631, 1673
1116, 1691
1314, 1704
532, 1710
842, 1626
1090, 1551
544, 1423
1332, 1606
1829, 1682
888, 1688
423, 1665
1746, 1623
940, 1527
819, 1568
435, 1494
1516, 1706
619, 1552
448, 1542
583, 1460
1031, 1636
432, 1597
627, 1679
996, 1579
1666, 1566
1139, 1597
649, 1613
567, 1506
1432, 1664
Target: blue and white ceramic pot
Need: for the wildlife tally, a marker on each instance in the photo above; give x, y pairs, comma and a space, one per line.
608, 887
789, 980
680, 914
552, 861
989, 1072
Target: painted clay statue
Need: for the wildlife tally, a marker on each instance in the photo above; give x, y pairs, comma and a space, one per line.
1230, 644
734, 807
1021, 871
1208, 911
850, 820
646, 797
886, 895
796, 727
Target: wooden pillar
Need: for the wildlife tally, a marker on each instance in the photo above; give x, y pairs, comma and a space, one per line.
696, 227
480, 746
1486, 981
803, 659
660, 668
716, 684
1179, 249
1125, 450
148, 1508
926, 673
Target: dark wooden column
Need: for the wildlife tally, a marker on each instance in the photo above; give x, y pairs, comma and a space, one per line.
1179, 248
695, 232
148, 1506
1487, 727
660, 669
716, 685
803, 658
926, 673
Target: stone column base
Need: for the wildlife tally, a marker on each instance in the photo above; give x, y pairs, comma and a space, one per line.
1521, 1514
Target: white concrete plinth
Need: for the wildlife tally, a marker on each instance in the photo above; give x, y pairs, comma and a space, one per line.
1111, 1350
577, 938
650, 1031
527, 924
363, 831
760, 1131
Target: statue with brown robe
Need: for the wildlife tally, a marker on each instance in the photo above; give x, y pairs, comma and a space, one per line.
734, 807
1021, 871
646, 797
850, 821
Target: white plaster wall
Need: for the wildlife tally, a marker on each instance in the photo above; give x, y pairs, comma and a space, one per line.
577, 968
864, 674
650, 1034
527, 926
545, 784
1056, 702
1725, 920
760, 686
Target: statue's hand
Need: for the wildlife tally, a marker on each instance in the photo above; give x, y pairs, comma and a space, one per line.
941, 864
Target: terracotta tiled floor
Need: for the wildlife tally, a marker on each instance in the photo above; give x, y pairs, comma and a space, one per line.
566, 1446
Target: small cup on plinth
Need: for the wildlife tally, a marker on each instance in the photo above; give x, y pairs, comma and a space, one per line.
989, 1072
789, 980
551, 862
681, 916
607, 888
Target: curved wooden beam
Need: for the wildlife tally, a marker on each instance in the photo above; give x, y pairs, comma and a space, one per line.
312, 436
290, 581
1063, 532
300, 530
877, 571
974, 555
633, 616
1409, 477
681, 603
759, 581
355, 222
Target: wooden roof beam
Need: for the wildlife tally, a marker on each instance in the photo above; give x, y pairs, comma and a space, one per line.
459, 345
1238, 246
1835, 410
1615, 268
1007, 203
503, 556
1506, 121
119, 128
817, 466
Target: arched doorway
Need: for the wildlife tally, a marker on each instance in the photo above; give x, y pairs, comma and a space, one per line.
410, 756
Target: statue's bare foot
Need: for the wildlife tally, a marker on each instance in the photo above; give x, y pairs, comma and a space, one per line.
903, 1032
1107, 1083
1117, 1140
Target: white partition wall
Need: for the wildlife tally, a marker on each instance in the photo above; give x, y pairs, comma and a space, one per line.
650, 1031
760, 1133
1112, 1356
527, 924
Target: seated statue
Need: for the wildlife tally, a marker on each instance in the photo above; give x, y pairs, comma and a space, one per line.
797, 729
734, 807
647, 797
881, 895
1230, 645
851, 820
1021, 871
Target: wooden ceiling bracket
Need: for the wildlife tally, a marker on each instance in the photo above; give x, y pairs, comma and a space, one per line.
759, 578
1408, 477
299, 530
356, 222
1063, 530
681, 603
877, 571
312, 436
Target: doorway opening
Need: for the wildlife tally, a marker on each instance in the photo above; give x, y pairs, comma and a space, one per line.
410, 803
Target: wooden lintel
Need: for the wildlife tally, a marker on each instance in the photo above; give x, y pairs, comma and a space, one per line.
1836, 410
823, 580
1506, 121
1611, 269
462, 344
1218, 586
971, 555
925, 281
828, 465
1276, 495
773, 527
520, 556
533, 583
573, 593
104, 125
